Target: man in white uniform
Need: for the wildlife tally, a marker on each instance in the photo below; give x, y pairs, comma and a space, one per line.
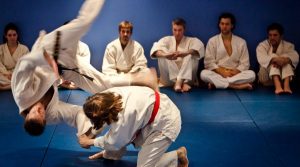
123, 55
178, 58
152, 123
10, 52
278, 59
34, 82
226, 59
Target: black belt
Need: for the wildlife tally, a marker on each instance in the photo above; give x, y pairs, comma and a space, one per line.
61, 68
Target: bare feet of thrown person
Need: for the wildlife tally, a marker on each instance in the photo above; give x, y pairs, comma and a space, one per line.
145, 77
182, 157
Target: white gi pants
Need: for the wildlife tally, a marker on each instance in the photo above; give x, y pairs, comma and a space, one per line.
170, 71
284, 72
220, 82
265, 75
152, 153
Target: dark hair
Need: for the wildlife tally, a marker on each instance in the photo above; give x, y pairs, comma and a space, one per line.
179, 21
10, 26
34, 127
103, 108
227, 15
276, 26
126, 24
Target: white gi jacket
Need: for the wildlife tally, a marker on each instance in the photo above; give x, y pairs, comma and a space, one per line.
286, 49
33, 76
116, 60
136, 114
8, 61
216, 54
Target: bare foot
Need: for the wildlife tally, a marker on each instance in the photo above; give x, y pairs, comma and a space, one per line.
5, 87
145, 77
279, 91
186, 87
97, 155
247, 86
177, 86
182, 157
211, 86
289, 91
287, 88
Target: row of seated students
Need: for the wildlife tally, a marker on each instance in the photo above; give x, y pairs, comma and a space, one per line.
226, 58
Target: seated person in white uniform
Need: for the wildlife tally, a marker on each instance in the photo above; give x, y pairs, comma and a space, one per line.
178, 58
124, 55
277, 59
226, 59
36, 76
152, 122
10, 52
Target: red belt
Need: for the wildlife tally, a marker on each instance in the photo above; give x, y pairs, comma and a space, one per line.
155, 108
154, 112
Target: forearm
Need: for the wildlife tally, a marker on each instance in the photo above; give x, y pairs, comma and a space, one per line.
159, 54
193, 53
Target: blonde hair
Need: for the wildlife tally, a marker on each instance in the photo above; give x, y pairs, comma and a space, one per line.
103, 108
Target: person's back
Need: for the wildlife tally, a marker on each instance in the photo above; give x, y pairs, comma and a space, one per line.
150, 122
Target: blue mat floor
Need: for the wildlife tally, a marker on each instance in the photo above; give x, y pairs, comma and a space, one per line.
221, 128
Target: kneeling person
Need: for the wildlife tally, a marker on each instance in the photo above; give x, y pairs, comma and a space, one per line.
150, 122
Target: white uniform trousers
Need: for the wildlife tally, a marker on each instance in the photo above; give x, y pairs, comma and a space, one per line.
170, 71
284, 72
265, 75
220, 82
152, 153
